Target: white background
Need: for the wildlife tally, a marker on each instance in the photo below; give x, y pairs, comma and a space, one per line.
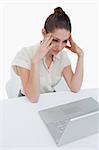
21, 23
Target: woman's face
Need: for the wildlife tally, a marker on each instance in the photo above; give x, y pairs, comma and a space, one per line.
60, 38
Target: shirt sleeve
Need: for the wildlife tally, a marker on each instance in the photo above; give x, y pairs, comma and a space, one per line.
22, 59
66, 60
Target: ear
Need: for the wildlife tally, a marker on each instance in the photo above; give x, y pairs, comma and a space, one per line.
44, 32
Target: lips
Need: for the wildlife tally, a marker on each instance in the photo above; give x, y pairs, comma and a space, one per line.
56, 51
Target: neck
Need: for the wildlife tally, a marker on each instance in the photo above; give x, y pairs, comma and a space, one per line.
49, 56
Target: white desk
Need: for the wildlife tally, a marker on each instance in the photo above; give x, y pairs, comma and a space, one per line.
21, 127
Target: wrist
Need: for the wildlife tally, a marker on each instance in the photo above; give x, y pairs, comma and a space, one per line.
35, 58
35, 61
80, 53
35, 65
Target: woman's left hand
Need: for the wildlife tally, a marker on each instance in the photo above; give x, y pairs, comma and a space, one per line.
74, 47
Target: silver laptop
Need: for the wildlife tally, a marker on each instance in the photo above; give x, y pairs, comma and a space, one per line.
72, 121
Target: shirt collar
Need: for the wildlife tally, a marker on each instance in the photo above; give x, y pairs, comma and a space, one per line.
57, 56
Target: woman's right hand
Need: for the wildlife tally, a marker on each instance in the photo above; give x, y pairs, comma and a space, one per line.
44, 47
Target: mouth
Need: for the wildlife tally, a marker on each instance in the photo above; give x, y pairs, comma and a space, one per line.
55, 51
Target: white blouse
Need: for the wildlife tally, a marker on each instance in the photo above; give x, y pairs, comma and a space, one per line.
49, 77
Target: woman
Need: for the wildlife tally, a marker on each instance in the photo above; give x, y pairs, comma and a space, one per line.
41, 66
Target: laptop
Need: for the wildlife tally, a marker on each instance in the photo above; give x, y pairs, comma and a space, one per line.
72, 121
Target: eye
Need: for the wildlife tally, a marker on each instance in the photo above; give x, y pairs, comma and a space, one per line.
55, 40
65, 41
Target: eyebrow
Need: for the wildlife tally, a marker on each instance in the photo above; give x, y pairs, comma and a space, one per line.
59, 39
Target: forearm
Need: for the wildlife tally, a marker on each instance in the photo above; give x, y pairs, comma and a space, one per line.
77, 78
33, 86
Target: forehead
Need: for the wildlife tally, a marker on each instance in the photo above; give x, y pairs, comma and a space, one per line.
61, 34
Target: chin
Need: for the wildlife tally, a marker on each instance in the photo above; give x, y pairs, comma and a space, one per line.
55, 52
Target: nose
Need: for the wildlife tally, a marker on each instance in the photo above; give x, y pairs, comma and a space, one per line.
59, 45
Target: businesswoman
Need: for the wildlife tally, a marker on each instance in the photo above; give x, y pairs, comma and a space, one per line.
42, 65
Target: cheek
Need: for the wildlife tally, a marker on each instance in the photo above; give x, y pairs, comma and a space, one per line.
54, 44
63, 45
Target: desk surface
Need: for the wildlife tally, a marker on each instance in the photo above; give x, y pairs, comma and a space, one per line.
22, 128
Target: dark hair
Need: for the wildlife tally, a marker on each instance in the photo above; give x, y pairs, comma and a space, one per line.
59, 19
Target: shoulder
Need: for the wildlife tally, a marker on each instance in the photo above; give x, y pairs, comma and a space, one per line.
29, 50
64, 58
63, 55
24, 57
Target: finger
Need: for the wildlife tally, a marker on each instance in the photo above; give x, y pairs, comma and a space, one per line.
68, 47
49, 41
50, 46
47, 37
70, 39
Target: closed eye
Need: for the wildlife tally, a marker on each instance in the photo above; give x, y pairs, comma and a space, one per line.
65, 41
55, 40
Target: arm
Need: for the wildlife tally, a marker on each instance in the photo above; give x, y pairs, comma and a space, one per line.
74, 80
30, 81
31, 78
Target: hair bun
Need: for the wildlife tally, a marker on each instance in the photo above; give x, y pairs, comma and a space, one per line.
59, 10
